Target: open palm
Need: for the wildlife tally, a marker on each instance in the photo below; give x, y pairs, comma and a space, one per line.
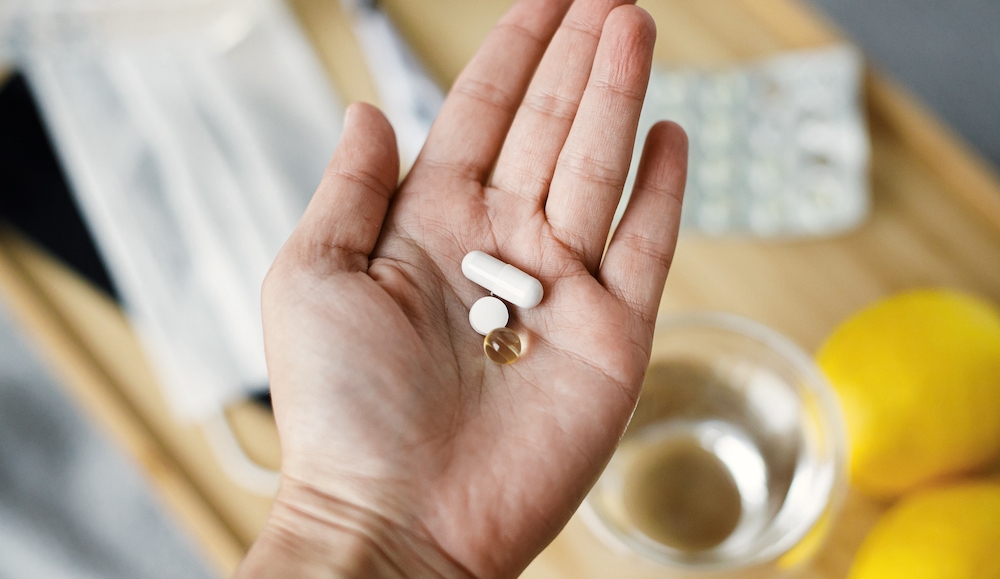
385, 401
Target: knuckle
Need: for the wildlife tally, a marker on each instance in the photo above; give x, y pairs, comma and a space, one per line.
591, 168
552, 105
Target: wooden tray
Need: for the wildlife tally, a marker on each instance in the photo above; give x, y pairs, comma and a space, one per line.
935, 222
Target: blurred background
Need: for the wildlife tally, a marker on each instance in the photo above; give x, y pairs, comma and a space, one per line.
155, 154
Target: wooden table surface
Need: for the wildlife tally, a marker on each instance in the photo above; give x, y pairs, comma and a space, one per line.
935, 222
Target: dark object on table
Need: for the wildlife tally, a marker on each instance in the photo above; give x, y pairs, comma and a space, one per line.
34, 195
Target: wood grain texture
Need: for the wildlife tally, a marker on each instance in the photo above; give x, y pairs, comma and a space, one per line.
935, 222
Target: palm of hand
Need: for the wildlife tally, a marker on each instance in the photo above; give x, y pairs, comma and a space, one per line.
382, 392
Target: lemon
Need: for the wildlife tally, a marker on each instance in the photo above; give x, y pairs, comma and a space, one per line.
918, 375
939, 533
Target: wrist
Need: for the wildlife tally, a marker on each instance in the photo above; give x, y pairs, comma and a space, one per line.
310, 533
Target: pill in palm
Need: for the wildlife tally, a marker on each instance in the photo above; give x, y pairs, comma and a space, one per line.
503, 279
502, 345
487, 314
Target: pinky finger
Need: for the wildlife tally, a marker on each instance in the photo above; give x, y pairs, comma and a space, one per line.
639, 255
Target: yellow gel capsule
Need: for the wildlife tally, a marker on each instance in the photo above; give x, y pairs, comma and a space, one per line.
502, 345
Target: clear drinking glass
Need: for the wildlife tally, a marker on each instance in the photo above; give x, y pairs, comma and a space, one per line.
734, 462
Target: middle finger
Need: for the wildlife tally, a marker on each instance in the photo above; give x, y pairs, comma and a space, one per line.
590, 174
528, 158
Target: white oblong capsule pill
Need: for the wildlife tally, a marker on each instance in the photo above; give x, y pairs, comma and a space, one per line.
502, 279
488, 314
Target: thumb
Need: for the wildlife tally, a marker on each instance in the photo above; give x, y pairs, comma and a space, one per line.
344, 218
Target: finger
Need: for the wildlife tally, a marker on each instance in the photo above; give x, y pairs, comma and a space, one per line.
345, 216
593, 164
472, 124
639, 255
543, 121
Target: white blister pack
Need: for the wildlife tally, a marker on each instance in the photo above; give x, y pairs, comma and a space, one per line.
778, 147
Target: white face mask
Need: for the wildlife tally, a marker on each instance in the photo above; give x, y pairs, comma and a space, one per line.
193, 135
192, 152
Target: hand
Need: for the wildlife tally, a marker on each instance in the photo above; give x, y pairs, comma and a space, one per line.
399, 436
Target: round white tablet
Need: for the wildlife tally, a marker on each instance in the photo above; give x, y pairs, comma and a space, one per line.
488, 314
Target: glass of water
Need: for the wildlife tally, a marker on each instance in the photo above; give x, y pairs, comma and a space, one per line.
734, 462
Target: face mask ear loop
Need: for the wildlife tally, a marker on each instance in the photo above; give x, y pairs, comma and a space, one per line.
233, 460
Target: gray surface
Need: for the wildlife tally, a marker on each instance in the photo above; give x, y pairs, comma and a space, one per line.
71, 504
945, 51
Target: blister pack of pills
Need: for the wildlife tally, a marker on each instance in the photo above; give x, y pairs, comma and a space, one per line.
778, 147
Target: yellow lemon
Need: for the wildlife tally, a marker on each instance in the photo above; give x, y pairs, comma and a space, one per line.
918, 375
940, 533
